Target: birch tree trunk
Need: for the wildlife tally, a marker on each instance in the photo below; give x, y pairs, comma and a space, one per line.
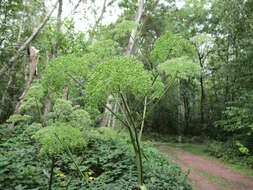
58, 29
33, 60
48, 104
105, 120
134, 30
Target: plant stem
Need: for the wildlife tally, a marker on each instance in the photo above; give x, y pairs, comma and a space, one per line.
69, 153
51, 173
127, 124
138, 152
143, 117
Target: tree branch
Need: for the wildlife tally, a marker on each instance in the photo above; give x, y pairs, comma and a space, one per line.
27, 42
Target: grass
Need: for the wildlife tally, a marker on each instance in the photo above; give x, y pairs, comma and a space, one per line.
239, 168
220, 182
196, 149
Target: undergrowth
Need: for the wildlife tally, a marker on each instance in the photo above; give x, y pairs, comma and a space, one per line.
107, 161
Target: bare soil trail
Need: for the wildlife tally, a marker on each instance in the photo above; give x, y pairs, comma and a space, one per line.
205, 173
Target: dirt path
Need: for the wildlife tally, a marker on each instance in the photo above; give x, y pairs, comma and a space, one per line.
207, 174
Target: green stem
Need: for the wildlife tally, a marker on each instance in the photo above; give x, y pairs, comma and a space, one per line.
138, 152
128, 127
143, 118
69, 153
51, 173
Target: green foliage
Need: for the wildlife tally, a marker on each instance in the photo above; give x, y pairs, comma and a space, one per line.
114, 166
95, 115
87, 71
237, 119
33, 101
55, 139
17, 118
108, 164
58, 75
203, 42
123, 28
107, 134
231, 151
63, 111
80, 119
182, 67
102, 49
119, 74
170, 46
69, 41
32, 129
20, 167
242, 148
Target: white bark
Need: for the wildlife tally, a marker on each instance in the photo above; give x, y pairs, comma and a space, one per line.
33, 60
134, 30
106, 119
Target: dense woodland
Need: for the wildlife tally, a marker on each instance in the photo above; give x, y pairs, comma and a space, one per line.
79, 109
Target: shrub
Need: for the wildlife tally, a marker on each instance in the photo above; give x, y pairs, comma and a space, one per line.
32, 129
20, 168
62, 110
230, 152
17, 118
111, 161
107, 160
80, 119
55, 138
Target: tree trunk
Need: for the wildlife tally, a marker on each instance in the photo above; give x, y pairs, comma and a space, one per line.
33, 60
202, 100
186, 114
134, 30
58, 29
48, 103
106, 118
47, 108
202, 90
13, 59
107, 114
115, 110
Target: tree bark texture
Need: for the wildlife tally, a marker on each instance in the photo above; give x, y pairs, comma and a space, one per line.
134, 30
58, 29
33, 60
